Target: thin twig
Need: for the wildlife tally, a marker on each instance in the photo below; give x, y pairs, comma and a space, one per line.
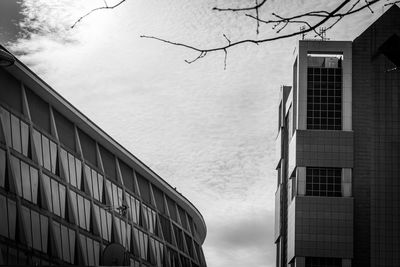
97, 9
243, 8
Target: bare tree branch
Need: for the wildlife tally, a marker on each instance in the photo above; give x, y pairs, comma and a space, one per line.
106, 6
257, 6
282, 22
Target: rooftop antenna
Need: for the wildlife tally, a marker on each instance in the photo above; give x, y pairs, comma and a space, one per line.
303, 35
322, 33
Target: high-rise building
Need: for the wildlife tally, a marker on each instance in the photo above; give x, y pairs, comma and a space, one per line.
338, 143
70, 194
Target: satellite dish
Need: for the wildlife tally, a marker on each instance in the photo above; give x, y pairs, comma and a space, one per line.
114, 255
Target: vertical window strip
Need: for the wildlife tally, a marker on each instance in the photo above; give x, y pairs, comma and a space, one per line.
134, 206
2, 167
8, 218
36, 227
55, 196
65, 242
26, 179
46, 151
81, 209
72, 168
90, 250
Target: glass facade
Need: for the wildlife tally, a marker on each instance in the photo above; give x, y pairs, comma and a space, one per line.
324, 93
323, 262
70, 211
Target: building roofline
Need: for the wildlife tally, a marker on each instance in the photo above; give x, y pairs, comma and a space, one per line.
32, 80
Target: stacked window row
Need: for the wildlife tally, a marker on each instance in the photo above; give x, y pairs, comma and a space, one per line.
57, 200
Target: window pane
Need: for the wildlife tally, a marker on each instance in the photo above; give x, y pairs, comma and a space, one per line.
26, 219
38, 145
12, 217
115, 196
96, 248
78, 165
81, 211
128, 236
62, 200
56, 197
103, 224
88, 175
65, 243
100, 183
57, 237
82, 239
74, 205
64, 163
87, 214
4, 217
96, 218
36, 238
72, 171
46, 152
34, 184
72, 245
26, 183
117, 222
16, 134
25, 138
47, 189
109, 225
6, 121
17, 174
95, 185
2, 167
90, 251
109, 192
119, 196
53, 156
44, 226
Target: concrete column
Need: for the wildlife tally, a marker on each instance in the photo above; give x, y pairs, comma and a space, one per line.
346, 182
301, 181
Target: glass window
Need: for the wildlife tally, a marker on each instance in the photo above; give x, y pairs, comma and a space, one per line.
26, 219
2, 167
15, 163
72, 171
64, 163
323, 182
89, 181
100, 184
53, 156
90, 251
37, 141
16, 134
72, 244
78, 169
74, 205
55, 197
96, 247
35, 184
3, 218
44, 227
12, 218
47, 190
81, 211
46, 152
95, 185
87, 214
6, 121
62, 199
82, 240
24, 138
65, 243
26, 183
36, 237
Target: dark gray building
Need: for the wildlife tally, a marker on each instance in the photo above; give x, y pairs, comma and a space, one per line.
338, 195
71, 195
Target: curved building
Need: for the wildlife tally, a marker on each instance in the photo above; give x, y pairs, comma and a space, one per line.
70, 194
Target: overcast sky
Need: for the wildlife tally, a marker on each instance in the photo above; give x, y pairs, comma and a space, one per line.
207, 131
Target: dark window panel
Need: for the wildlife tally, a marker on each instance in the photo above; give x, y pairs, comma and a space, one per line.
182, 216
10, 92
108, 163
39, 110
65, 130
88, 146
158, 195
172, 209
143, 188
127, 175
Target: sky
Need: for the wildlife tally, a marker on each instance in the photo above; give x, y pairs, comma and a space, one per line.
207, 131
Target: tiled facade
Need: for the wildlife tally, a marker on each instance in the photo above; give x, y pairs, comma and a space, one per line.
338, 152
68, 191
